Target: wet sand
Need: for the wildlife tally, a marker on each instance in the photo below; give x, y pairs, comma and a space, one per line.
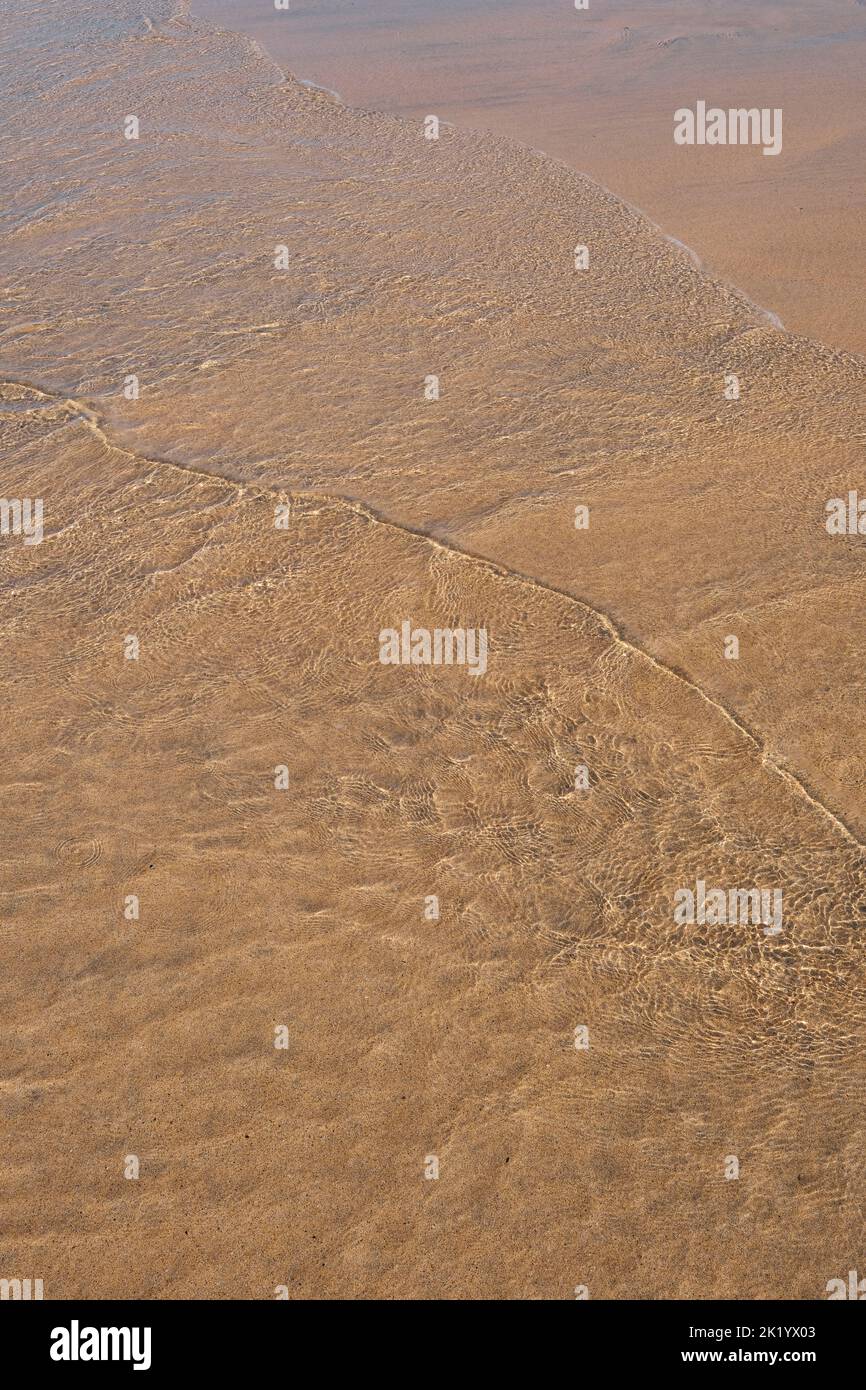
598, 90
409, 1037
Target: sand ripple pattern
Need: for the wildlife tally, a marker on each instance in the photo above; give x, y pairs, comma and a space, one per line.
306, 907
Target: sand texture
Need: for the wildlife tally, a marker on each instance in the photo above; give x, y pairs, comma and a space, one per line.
409, 1038
598, 88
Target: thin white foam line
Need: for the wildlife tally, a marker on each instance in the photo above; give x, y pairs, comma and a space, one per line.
185, 7
317, 87
699, 265
769, 314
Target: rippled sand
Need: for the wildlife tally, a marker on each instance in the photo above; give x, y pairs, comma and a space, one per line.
304, 1167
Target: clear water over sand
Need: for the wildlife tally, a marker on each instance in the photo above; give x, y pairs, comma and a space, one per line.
259, 648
